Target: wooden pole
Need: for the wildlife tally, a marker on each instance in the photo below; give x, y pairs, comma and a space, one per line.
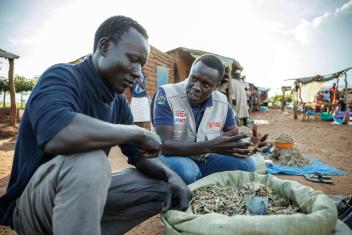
337, 86
3, 102
283, 100
295, 107
346, 90
12, 93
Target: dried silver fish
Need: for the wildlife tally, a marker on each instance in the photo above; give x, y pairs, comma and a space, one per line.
230, 200
289, 157
284, 138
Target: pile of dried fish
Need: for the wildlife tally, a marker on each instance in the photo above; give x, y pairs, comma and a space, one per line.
284, 138
289, 157
230, 200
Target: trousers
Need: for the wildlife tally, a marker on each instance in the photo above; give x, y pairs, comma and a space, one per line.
78, 194
190, 170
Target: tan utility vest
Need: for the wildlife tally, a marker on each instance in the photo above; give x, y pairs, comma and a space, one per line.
212, 122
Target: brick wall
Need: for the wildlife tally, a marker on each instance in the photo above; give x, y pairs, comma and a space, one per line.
156, 57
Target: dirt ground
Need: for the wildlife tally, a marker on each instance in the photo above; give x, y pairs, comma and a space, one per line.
331, 144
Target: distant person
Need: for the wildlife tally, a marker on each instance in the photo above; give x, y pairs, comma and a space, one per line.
334, 97
61, 181
326, 96
239, 98
327, 101
342, 113
140, 105
333, 92
197, 125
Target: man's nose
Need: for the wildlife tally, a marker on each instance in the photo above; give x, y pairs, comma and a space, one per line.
137, 71
196, 86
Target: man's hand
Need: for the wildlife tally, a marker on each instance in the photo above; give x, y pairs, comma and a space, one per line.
150, 144
258, 141
230, 143
180, 195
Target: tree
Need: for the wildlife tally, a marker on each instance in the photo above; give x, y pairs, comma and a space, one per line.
23, 84
4, 86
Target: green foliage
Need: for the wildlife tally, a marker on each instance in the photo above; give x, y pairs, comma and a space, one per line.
278, 98
4, 85
22, 84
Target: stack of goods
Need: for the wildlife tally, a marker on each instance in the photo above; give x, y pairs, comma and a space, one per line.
286, 154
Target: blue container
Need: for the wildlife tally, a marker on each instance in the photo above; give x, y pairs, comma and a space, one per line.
326, 117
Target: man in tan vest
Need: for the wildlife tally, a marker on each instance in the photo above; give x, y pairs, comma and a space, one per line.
197, 125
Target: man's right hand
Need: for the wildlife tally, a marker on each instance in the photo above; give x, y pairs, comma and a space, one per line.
230, 143
150, 144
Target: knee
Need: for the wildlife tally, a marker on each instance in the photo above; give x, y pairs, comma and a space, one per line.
250, 165
185, 167
190, 175
90, 169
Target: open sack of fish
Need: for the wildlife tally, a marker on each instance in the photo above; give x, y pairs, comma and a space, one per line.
286, 154
248, 203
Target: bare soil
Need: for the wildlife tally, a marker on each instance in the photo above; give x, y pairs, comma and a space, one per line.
329, 143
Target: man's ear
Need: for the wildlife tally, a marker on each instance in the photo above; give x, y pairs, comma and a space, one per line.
103, 45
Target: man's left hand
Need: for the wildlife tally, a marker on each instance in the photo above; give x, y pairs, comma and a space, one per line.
180, 195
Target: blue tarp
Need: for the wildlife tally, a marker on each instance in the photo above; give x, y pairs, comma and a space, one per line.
317, 166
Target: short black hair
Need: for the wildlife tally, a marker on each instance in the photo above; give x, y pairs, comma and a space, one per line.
212, 61
114, 27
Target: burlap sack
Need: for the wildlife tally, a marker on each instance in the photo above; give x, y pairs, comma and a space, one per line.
320, 217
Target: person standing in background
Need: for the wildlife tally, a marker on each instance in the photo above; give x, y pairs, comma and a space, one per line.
239, 98
140, 105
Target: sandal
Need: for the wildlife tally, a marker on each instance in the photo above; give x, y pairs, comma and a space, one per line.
319, 178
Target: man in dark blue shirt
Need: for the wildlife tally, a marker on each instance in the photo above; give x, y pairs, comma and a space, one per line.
61, 181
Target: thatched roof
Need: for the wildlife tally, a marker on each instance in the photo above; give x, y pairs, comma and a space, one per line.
8, 55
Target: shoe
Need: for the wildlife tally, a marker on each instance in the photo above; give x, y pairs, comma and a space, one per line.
319, 178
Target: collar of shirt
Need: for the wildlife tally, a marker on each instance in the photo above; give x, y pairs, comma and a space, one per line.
198, 110
96, 81
207, 103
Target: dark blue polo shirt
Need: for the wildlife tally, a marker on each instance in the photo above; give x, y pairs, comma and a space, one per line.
163, 114
61, 92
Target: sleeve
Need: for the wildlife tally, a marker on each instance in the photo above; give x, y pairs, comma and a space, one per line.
162, 114
54, 102
128, 149
230, 118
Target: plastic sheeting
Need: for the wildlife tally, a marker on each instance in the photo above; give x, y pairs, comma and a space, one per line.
316, 167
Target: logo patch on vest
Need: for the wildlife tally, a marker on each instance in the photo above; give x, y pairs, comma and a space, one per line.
214, 124
161, 100
180, 117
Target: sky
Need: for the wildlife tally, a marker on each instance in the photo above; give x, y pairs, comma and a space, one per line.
273, 40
